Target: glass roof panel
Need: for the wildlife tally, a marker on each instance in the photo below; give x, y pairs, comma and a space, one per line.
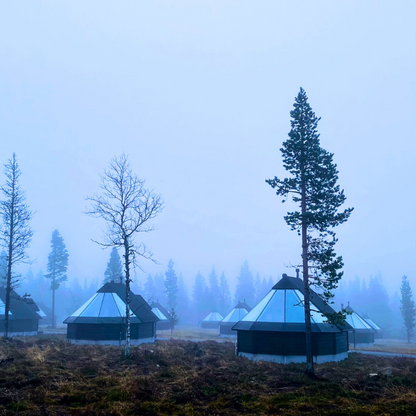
41, 313
235, 315
349, 320
360, 323
84, 306
317, 317
228, 316
93, 309
108, 307
373, 324
295, 311
159, 314
3, 309
213, 317
275, 309
121, 306
253, 315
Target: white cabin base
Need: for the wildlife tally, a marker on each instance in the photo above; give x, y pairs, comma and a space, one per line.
111, 342
287, 359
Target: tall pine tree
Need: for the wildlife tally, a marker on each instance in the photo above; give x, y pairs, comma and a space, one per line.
198, 297
149, 289
160, 289
245, 290
57, 266
183, 309
114, 270
171, 285
313, 187
407, 308
214, 290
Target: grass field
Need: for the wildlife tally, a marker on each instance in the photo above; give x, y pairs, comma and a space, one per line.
175, 377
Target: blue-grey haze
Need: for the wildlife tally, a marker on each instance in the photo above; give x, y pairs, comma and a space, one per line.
198, 95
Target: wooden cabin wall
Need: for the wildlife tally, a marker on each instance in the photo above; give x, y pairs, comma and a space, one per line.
291, 343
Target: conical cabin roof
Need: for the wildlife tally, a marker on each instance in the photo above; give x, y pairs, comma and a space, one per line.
282, 309
373, 324
20, 307
160, 311
3, 309
108, 306
358, 323
213, 317
237, 314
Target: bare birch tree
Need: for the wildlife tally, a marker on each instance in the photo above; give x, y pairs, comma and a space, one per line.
16, 233
127, 207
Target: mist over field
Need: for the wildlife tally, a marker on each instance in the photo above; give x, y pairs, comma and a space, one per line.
198, 95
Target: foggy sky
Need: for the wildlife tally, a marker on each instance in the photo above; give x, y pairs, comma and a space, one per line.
198, 94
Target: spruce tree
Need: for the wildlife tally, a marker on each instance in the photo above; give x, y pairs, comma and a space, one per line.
171, 285
57, 266
198, 297
149, 289
313, 187
224, 303
183, 308
160, 289
257, 289
214, 290
114, 270
407, 308
245, 286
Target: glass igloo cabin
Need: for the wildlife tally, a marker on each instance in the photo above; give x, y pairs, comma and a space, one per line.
165, 318
237, 314
274, 330
24, 314
102, 319
211, 321
361, 333
379, 332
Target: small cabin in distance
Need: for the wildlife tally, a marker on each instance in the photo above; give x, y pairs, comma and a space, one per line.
165, 318
361, 333
211, 321
24, 314
379, 332
236, 314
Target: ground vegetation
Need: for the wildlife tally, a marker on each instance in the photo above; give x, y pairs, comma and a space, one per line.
52, 377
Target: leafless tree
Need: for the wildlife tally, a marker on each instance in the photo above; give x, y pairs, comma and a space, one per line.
127, 207
16, 233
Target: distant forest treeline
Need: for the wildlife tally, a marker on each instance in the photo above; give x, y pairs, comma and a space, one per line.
212, 293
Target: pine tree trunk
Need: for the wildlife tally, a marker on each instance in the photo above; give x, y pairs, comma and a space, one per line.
308, 326
53, 288
127, 351
53, 305
8, 290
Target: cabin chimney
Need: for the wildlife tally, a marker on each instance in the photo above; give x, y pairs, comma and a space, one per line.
297, 273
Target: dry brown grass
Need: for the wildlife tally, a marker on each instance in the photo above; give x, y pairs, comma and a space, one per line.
52, 377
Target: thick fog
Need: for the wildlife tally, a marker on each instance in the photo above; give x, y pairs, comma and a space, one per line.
198, 94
